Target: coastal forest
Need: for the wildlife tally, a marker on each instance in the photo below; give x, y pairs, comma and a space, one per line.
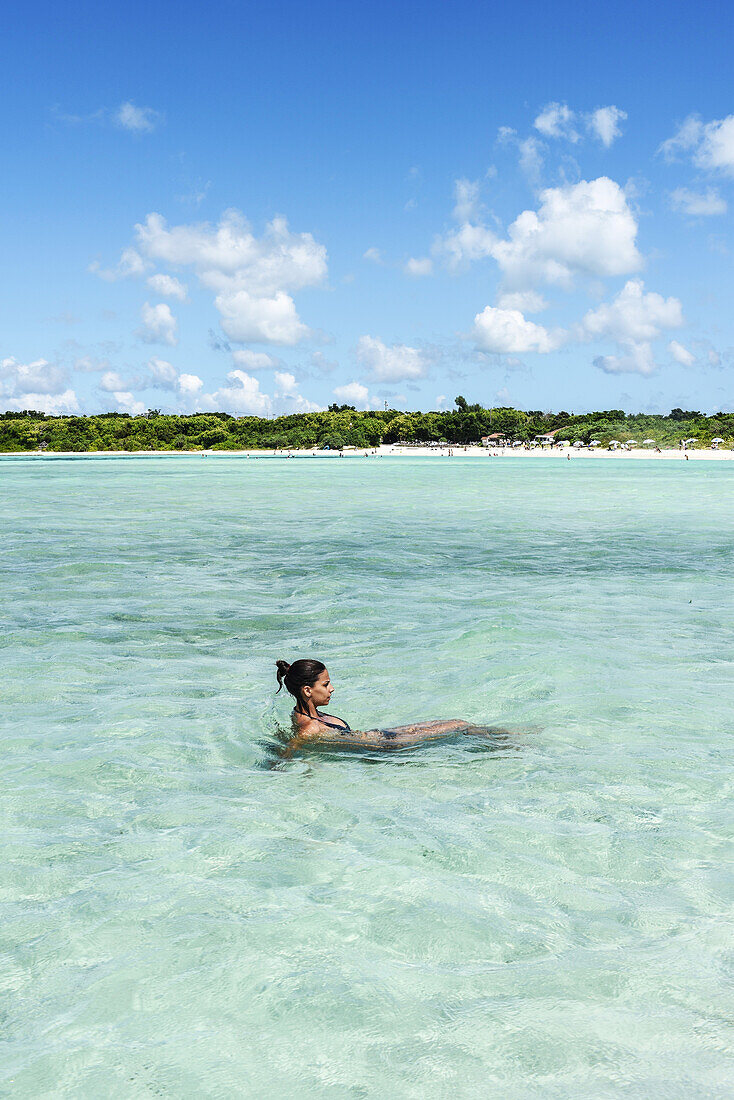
344, 426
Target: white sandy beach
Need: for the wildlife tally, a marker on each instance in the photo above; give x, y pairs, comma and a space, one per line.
561, 453
397, 451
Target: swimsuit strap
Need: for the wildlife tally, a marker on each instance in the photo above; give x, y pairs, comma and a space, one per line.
344, 729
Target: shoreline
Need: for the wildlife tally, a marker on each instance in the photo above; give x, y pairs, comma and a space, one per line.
396, 451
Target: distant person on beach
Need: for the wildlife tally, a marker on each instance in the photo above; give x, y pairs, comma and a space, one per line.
309, 683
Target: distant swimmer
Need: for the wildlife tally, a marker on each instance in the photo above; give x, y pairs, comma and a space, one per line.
309, 683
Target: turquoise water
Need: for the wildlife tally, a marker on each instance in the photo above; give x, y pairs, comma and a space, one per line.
549, 916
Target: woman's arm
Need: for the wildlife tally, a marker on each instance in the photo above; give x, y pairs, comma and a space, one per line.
314, 735
396, 738
422, 732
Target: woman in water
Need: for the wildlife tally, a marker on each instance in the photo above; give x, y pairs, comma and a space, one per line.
308, 682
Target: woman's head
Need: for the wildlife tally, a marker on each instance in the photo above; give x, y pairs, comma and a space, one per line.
307, 681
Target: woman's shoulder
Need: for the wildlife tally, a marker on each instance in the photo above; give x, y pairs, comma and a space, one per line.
305, 726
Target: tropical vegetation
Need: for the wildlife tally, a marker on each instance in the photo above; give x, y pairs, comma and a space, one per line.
344, 426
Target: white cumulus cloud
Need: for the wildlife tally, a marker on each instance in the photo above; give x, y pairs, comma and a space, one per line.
111, 382
168, 286
527, 301
604, 123
287, 398
584, 228
530, 149
190, 384
353, 393
464, 245
638, 359
681, 354
251, 276
506, 331
466, 204
716, 149
124, 401
557, 120
249, 319
139, 120
418, 266
243, 395
633, 320
254, 360
710, 144
130, 265
37, 377
88, 364
393, 363
633, 315
531, 158
286, 383
159, 325
698, 204
163, 373
38, 385
229, 256
470, 241
52, 404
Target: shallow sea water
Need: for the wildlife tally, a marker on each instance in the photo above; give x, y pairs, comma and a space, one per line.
548, 915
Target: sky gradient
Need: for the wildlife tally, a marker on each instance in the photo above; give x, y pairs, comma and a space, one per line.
269, 208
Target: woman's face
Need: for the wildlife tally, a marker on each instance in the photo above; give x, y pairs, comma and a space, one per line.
321, 691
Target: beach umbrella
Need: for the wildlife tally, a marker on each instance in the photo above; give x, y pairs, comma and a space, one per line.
648, 441
614, 443
565, 443
595, 443
717, 439
578, 443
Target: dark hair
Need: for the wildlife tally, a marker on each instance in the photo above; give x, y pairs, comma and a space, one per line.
300, 674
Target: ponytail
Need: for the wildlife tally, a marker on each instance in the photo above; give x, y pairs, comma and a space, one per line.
282, 671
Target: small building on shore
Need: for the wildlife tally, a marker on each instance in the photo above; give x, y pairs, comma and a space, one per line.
548, 439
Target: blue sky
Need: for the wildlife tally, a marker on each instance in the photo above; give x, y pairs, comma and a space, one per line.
268, 208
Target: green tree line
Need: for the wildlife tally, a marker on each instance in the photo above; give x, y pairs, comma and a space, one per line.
344, 426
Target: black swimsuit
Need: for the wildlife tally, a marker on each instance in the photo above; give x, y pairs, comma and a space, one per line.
332, 726
387, 734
